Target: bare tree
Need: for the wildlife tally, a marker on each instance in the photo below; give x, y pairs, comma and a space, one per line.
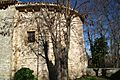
54, 25
57, 30
103, 20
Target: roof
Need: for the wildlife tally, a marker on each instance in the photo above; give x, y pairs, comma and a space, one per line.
35, 6
30, 6
5, 3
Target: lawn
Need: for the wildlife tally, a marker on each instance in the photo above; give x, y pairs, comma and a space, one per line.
91, 78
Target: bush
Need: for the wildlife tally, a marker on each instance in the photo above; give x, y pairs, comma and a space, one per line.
24, 74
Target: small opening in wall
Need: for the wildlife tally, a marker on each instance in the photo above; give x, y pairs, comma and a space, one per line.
31, 36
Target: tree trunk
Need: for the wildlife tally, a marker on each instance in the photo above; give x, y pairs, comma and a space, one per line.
61, 62
104, 72
57, 61
64, 65
96, 71
50, 66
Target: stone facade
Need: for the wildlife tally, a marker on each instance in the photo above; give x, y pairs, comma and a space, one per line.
6, 23
16, 52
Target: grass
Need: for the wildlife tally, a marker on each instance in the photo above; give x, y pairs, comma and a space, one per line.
91, 78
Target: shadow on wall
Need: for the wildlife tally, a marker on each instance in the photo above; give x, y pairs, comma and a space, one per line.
115, 76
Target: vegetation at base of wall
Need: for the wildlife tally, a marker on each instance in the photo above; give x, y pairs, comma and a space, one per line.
24, 74
91, 78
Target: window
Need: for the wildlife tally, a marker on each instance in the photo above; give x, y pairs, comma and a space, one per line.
31, 36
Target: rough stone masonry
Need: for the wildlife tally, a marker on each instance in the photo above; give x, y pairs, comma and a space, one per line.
17, 26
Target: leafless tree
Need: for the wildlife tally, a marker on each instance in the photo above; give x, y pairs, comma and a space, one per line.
57, 30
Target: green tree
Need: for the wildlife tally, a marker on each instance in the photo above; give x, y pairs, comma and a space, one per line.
100, 49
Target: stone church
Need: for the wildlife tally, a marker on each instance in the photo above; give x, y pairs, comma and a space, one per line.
19, 38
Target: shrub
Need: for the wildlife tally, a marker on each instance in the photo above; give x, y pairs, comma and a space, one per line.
24, 74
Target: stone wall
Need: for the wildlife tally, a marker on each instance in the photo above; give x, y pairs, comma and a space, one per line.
77, 58
109, 71
20, 53
6, 22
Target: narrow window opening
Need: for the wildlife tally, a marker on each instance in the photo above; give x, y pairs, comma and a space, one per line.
31, 36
